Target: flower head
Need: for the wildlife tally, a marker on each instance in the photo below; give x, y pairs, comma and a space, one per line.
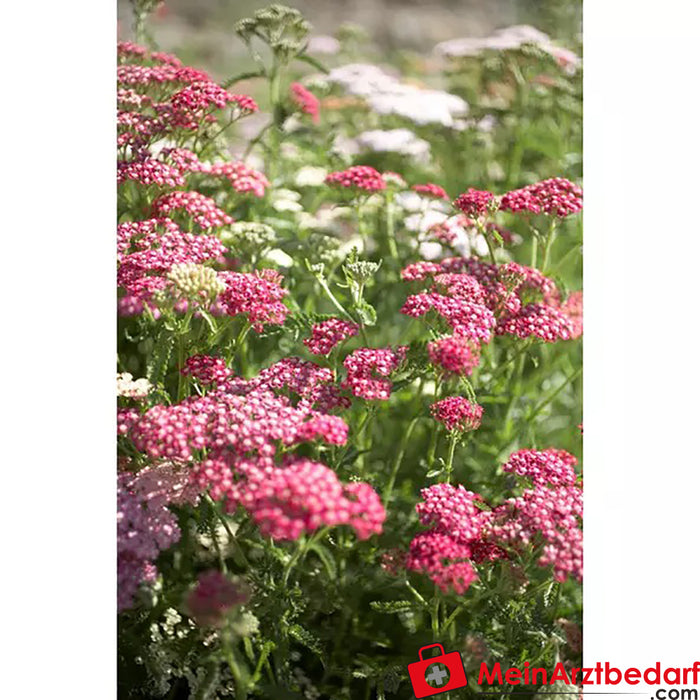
455, 353
206, 369
213, 597
475, 202
327, 334
431, 190
358, 177
556, 197
306, 101
457, 413
363, 366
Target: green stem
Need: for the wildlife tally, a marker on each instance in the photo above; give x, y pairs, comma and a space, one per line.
545, 402
241, 690
417, 595
183, 332
334, 301
482, 229
398, 459
551, 234
435, 618
454, 437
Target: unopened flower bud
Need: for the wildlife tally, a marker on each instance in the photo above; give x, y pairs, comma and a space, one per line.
196, 282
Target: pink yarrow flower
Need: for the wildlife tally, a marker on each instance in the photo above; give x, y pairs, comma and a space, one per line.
201, 208
475, 202
358, 177
555, 197
363, 366
431, 190
307, 102
206, 370
327, 334
455, 354
213, 597
457, 413
305, 495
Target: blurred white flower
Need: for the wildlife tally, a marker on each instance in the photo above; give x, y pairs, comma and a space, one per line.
386, 94
135, 389
402, 141
310, 176
327, 218
430, 250
345, 146
279, 257
422, 222
506, 39
322, 43
420, 106
354, 242
413, 202
286, 200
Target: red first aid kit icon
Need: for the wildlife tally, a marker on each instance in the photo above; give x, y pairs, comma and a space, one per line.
437, 674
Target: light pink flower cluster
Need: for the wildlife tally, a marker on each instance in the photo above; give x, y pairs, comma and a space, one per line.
144, 87
474, 202
201, 208
149, 171
508, 291
145, 526
466, 318
451, 510
312, 383
539, 321
463, 529
306, 101
159, 75
430, 189
202, 95
363, 366
358, 177
258, 295
206, 369
556, 197
457, 413
443, 559
327, 334
147, 250
572, 308
128, 51
555, 467
233, 434
213, 597
420, 270
544, 516
455, 353
243, 178
303, 496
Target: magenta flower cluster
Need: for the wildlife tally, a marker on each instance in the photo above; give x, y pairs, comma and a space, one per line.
327, 334
367, 369
465, 531
363, 178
